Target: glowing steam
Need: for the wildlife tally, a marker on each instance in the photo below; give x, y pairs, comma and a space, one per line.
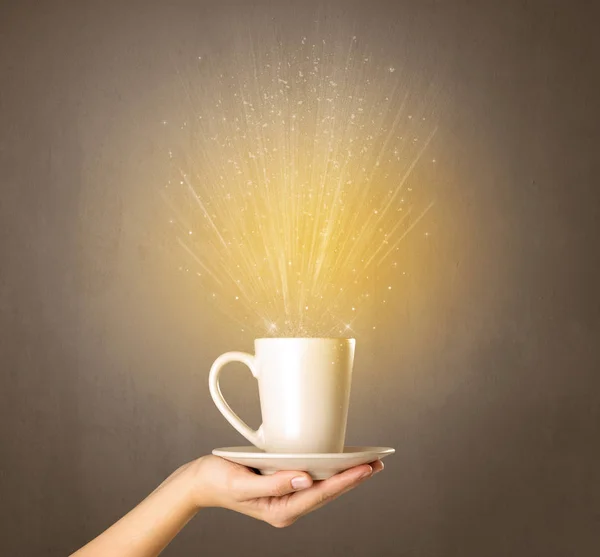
293, 181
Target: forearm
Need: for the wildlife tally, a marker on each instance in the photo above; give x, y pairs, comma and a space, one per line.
148, 528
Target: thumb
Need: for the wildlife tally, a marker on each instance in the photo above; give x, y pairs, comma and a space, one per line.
277, 485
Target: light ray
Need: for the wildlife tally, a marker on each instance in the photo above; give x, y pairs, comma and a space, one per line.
295, 179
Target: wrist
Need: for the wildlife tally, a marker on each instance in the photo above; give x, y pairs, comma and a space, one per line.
181, 485
189, 482
200, 479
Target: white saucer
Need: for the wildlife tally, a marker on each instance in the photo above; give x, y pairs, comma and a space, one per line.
319, 466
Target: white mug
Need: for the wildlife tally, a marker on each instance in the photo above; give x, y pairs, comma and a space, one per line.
304, 390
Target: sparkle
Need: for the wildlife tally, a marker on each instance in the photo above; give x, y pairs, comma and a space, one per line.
293, 180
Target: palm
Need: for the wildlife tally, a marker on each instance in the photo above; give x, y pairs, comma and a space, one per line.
282, 509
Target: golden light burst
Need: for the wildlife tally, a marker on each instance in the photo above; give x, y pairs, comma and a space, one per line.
293, 180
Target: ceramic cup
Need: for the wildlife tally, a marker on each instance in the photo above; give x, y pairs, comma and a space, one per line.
304, 390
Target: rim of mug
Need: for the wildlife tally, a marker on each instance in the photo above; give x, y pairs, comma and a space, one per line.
337, 339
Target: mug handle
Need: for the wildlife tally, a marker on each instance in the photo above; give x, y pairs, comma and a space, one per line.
255, 437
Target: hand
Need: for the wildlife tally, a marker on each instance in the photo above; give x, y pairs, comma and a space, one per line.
211, 481
279, 499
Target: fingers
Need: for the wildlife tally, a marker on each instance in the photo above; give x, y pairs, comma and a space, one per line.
252, 486
328, 490
377, 466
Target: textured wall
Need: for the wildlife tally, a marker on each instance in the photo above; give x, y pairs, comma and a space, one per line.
485, 380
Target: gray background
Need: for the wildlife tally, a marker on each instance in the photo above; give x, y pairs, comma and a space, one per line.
485, 379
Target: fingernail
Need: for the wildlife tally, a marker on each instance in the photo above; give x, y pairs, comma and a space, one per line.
381, 467
301, 482
366, 474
